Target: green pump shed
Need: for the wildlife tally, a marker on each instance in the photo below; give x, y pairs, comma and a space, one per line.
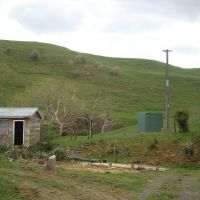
150, 122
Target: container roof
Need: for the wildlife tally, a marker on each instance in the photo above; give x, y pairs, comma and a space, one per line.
18, 112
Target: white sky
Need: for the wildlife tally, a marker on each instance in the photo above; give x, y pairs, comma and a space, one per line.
118, 28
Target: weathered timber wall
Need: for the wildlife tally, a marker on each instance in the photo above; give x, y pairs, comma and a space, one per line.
31, 131
4, 137
34, 130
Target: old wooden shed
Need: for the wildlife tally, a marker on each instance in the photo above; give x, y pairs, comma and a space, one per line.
19, 126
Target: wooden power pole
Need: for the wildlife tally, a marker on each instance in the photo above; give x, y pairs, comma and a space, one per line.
167, 89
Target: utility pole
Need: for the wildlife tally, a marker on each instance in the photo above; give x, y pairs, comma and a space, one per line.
167, 92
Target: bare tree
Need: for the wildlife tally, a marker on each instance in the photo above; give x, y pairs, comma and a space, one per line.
62, 108
106, 110
102, 105
58, 104
106, 122
89, 117
65, 112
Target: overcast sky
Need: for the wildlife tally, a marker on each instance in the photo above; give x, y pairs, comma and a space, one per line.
117, 28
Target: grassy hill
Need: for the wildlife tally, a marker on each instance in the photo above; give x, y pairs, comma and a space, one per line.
138, 87
30, 181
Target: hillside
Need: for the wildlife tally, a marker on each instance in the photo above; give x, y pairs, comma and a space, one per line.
138, 87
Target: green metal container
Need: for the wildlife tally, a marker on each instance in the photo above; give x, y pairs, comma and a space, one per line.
150, 122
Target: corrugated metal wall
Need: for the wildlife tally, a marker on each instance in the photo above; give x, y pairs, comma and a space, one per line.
150, 122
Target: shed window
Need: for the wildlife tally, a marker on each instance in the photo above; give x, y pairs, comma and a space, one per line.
3, 126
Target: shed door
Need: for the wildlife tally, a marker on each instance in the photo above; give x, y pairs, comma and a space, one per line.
18, 132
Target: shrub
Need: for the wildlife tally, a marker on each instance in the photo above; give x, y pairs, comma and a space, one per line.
40, 151
70, 62
153, 145
98, 66
8, 50
155, 141
80, 59
187, 149
25, 153
60, 153
181, 118
45, 146
38, 155
75, 73
113, 147
191, 149
115, 71
35, 54
14, 153
126, 150
83, 132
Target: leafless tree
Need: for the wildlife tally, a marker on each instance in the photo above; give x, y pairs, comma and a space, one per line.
89, 116
106, 122
58, 104
62, 109
106, 110
102, 105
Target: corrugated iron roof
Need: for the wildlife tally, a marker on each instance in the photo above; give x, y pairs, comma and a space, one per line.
18, 112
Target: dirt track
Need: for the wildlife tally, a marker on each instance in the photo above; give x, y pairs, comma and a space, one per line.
75, 182
166, 184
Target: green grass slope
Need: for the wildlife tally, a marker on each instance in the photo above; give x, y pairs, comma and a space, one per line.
139, 87
30, 181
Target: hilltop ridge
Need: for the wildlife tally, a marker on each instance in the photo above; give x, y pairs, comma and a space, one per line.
138, 86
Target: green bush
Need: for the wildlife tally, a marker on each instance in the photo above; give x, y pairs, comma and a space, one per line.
115, 71
60, 153
113, 147
38, 155
153, 145
46, 146
75, 73
8, 50
70, 63
188, 149
40, 151
14, 153
126, 150
181, 117
35, 54
98, 66
191, 148
80, 59
83, 132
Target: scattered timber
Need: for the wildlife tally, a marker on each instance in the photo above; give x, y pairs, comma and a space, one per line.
126, 166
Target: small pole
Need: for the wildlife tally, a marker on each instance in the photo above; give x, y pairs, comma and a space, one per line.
167, 92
